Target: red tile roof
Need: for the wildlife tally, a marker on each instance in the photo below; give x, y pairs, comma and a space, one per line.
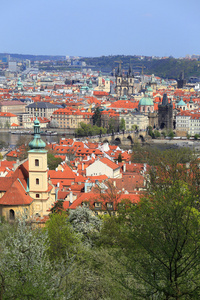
16, 195
109, 163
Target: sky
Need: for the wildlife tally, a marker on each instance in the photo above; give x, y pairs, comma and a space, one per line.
92, 28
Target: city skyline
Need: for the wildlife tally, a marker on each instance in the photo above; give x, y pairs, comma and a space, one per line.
92, 29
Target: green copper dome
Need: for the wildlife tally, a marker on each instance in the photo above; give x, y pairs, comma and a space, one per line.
181, 103
146, 101
37, 142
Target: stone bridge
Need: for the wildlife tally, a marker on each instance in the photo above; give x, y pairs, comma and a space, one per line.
126, 138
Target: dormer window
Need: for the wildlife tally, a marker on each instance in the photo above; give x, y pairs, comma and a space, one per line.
109, 205
97, 205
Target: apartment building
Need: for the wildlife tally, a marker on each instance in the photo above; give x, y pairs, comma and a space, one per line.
67, 118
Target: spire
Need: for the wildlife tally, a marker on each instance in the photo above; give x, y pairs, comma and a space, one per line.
37, 142
119, 73
165, 100
130, 73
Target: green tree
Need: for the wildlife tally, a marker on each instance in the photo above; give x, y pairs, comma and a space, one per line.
157, 134
196, 136
85, 223
150, 131
25, 271
171, 134
134, 127
111, 125
162, 248
62, 239
53, 161
119, 157
122, 125
97, 117
88, 130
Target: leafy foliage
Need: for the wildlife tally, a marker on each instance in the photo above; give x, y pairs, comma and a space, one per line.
164, 68
97, 117
25, 270
85, 223
162, 246
89, 130
53, 161
122, 125
62, 240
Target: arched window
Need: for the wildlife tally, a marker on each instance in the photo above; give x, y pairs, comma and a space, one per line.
37, 181
11, 215
37, 162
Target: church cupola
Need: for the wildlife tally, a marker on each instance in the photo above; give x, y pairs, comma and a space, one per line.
37, 142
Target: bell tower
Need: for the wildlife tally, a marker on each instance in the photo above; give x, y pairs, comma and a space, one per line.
38, 173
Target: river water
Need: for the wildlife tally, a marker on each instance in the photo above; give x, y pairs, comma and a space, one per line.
12, 139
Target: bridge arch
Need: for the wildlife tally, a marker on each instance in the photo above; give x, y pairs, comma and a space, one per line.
141, 138
117, 140
130, 139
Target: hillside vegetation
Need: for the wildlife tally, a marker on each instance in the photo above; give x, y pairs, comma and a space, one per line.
165, 68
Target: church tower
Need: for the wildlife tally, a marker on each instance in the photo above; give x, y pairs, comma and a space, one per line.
100, 81
130, 78
38, 174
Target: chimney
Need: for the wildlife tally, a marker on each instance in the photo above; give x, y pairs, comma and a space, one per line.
129, 162
82, 166
114, 183
124, 167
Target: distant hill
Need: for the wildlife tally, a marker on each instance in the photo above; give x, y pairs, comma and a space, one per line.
165, 68
32, 57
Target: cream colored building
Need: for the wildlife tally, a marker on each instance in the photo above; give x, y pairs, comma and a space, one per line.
7, 119
12, 106
69, 119
105, 87
104, 166
135, 118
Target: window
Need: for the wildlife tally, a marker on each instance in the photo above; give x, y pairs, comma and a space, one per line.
110, 205
37, 162
37, 180
37, 196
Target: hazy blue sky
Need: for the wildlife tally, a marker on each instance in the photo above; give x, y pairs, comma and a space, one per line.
105, 27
